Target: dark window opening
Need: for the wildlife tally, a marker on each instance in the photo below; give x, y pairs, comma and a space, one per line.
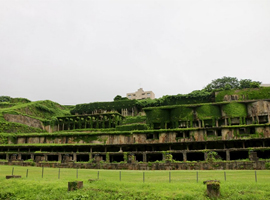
82, 158
113, 149
252, 130
157, 125
195, 156
153, 136
179, 147
263, 154
208, 123
52, 158
187, 134
179, 135
154, 157
263, 119
238, 155
234, 144
98, 149
242, 131
196, 146
3, 156
139, 157
221, 122
117, 158
222, 155
25, 157
215, 145
210, 133
253, 144
219, 133
177, 156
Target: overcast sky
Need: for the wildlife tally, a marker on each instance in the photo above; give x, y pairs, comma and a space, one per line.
78, 51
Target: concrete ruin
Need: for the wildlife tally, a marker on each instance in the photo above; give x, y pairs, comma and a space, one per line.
181, 137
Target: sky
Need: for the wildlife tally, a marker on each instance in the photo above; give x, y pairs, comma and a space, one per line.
77, 51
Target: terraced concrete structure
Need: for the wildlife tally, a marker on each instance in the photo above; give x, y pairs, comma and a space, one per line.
232, 134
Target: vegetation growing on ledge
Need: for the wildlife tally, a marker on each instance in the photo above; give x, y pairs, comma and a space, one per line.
130, 127
10, 127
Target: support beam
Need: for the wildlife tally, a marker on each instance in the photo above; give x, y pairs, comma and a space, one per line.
59, 157
144, 157
74, 157
228, 155
184, 156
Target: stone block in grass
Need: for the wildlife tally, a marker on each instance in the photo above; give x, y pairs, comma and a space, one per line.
75, 185
213, 188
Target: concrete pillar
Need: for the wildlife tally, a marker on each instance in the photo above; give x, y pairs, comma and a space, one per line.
228, 155
7, 156
263, 144
184, 156
187, 147
144, 157
216, 123
59, 157
46, 157
205, 156
90, 156
257, 119
224, 146
200, 123
32, 156
75, 157
19, 156
163, 157
243, 144
226, 122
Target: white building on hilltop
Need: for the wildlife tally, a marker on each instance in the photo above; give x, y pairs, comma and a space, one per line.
140, 94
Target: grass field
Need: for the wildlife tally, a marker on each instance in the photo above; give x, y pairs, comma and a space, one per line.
107, 184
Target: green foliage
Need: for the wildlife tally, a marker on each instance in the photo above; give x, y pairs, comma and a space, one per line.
5, 99
181, 113
10, 127
120, 98
132, 120
222, 83
248, 83
235, 109
208, 111
245, 94
231, 83
130, 127
109, 106
157, 115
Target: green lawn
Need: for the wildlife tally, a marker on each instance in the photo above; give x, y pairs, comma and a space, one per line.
183, 185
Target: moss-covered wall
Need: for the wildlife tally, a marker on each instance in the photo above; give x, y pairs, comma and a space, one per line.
234, 110
208, 111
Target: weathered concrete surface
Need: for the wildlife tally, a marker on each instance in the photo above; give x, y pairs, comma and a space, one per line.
24, 120
259, 108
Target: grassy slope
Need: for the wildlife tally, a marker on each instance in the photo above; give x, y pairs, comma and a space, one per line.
41, 110
239, 184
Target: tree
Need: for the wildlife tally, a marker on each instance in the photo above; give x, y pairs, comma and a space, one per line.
248, 83
119, 98
224, 83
